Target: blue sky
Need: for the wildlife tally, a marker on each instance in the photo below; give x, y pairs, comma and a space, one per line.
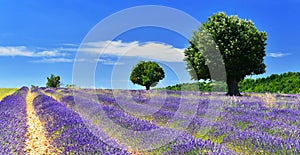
40, 38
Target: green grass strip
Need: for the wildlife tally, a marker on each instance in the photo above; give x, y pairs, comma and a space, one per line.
6, 91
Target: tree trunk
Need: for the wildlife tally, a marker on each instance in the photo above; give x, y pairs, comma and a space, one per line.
233, 89
147, 87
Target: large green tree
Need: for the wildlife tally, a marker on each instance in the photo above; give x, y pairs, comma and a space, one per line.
241, 45
147, 74
53, 81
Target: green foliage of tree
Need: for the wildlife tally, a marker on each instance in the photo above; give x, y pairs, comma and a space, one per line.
53, 81
147, 74
241, 45
70, 86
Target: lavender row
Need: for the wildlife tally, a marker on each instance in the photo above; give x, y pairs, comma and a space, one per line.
278, 129
13, 123
285, 137
276, 124
161, 108
67, 131
242, 117
183, 143
251, 131
117, 115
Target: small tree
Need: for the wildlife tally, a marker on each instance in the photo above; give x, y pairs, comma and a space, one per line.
70, 86
147, 74
53, 81
241, 45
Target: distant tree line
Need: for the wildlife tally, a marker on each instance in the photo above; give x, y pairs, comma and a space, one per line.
283, 83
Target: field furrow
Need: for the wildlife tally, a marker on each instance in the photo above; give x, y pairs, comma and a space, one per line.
36, 142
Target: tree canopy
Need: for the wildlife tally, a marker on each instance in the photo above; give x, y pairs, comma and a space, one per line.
147, 74
53, 81
239, 42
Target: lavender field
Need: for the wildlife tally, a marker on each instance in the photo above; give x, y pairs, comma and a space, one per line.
85, 121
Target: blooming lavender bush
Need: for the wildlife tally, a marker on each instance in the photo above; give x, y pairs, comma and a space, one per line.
13, 123
184, 143
67, 130
97, 122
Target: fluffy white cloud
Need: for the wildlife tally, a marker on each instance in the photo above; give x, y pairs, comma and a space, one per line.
109, 62
46, 53
278, 55
25, 52
149, 50
15, 51
70, 44
105, 61
53, 60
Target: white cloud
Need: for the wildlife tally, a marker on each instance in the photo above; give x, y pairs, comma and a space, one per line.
70, 44
15, 51
25, 52
47, 53
68, 49
278, 54
105, 61
109, 62
150, 50
53, 60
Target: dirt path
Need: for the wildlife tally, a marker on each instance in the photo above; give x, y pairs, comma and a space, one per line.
36, 142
